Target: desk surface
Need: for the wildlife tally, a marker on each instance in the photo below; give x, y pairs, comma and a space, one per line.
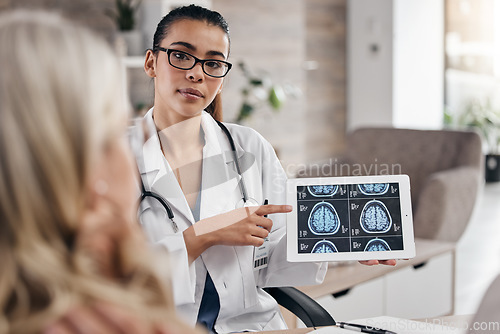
452, 319
345, 276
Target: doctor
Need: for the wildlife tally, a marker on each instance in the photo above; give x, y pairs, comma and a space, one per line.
214, 188
188, 161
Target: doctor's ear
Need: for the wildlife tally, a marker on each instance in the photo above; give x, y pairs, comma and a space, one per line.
149, 64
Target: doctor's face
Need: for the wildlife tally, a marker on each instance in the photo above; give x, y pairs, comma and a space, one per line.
185, 93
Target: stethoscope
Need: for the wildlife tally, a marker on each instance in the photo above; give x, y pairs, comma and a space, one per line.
245, 200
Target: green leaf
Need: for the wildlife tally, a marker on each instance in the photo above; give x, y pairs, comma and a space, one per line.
256, 82
276, 97
125, 14
245, 111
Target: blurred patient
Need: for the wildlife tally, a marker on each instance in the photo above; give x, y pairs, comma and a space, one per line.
71, 252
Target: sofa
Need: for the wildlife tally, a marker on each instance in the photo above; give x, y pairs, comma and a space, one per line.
445, 168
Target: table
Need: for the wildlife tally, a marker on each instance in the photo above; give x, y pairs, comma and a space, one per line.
454, 319
342, 278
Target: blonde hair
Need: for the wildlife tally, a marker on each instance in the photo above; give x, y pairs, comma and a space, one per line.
61, 101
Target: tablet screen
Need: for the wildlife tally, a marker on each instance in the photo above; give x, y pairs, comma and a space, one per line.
349, 218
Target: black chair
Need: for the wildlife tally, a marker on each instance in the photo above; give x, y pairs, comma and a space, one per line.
304, 307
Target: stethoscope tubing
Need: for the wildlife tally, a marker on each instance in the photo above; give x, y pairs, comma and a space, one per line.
146, 193
163, 203
236, 161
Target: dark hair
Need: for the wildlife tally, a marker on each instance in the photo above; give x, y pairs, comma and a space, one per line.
197, 13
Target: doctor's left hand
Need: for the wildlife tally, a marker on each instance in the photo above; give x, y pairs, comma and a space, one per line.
241, 227
375, 262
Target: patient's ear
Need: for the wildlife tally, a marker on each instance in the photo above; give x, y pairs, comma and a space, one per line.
150, 64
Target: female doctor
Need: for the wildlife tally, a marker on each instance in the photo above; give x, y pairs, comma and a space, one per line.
214, 188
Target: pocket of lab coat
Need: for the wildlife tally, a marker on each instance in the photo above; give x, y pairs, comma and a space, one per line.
245, 259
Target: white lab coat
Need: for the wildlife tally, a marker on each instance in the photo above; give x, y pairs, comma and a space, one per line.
243, 304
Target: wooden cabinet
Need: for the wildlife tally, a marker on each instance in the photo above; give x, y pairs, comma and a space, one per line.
362, 301
421, 292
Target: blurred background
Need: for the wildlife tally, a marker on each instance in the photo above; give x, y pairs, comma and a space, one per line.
307, 72
332, 65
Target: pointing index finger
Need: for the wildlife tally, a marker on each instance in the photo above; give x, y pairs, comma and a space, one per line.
272, 208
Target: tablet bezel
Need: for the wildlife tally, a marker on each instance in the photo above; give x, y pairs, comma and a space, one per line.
406, 219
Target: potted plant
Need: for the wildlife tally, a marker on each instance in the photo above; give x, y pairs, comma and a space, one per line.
481, 115
259, 91
124, 15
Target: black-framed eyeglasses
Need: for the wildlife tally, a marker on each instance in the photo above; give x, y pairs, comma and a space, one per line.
186, 61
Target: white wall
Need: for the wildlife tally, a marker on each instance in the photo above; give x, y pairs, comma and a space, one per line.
418, 70
400, 83
369, 73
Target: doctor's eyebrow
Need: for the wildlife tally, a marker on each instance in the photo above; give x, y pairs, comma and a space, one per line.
191, 47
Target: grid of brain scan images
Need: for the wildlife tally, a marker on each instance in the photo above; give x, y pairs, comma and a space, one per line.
349, 218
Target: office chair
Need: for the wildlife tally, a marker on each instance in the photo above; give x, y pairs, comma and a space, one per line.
301, 305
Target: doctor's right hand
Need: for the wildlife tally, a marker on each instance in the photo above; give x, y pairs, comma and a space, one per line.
246, 226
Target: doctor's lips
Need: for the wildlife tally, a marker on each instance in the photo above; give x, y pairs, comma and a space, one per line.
191, 93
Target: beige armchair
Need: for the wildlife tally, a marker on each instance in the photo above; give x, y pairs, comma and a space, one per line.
445, 169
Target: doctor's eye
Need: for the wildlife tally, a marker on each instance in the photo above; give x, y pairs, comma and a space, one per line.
181, 56
213, 64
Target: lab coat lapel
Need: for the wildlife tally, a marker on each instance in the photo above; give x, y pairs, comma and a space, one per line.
219, 182
166, 184
158, 176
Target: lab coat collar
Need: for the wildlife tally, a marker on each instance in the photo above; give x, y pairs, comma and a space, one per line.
153, 160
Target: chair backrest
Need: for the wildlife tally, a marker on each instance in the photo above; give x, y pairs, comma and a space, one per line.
417, 153
301, 305
445, 167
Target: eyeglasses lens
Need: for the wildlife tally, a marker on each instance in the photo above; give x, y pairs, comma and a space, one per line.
185, 61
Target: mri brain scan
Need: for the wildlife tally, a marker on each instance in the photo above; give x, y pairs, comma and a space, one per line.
377, 245
323, 219
375, 218
323, 191
373, 188
324, 246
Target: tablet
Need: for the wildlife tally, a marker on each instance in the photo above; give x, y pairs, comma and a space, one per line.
349, 218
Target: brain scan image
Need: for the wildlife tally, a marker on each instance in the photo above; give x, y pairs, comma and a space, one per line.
375, 218
324, 246
323, 219
377, 245
373, 188
323, 191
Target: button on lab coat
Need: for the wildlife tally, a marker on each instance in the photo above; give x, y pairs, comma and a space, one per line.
243, 304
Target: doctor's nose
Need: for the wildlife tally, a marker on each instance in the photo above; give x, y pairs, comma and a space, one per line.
196, 74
